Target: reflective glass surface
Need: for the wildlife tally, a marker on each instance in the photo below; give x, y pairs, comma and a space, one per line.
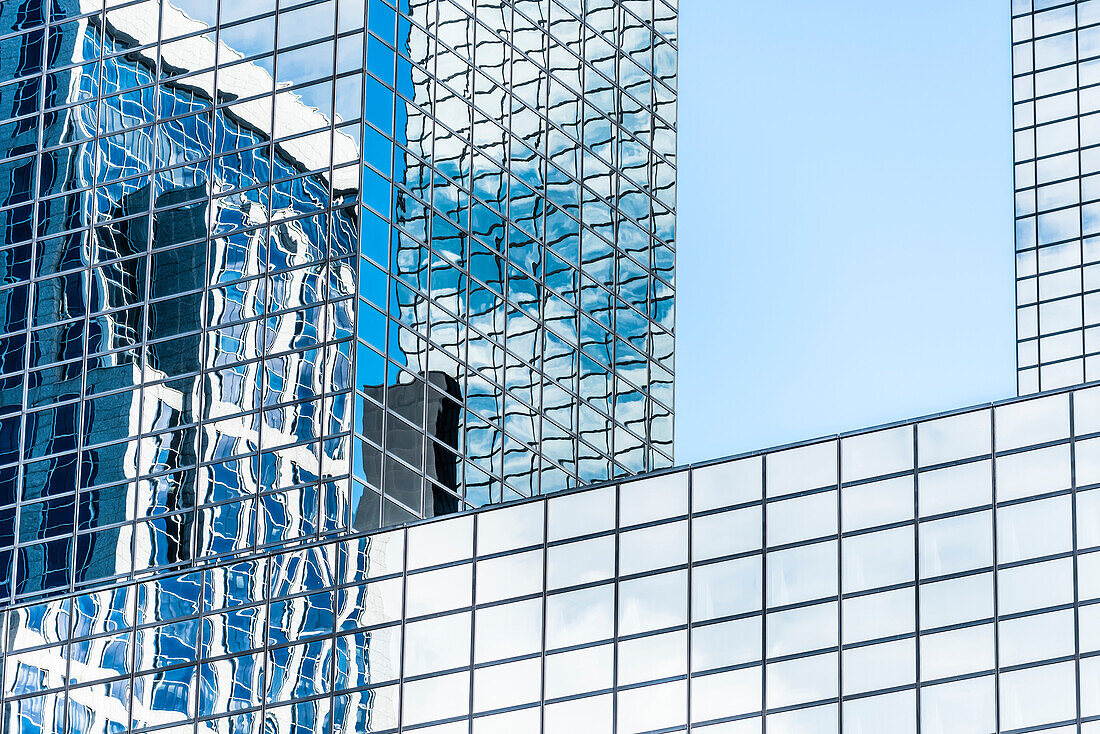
277, 270
572, 612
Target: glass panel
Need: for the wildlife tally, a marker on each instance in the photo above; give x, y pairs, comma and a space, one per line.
1033, 472
725, 484
957, 652
727, 588
956, 600
732, 693
1034, 529
964, 707
801, 680
1036, 696
508, 630
652, 602
581, 562
878, 559
894, 712
726, 643
874, 454
437, 591
875, 667
878, 615
802, 630
508, 528
877, 503
584, 714
1031, 422
579, 671
1035, 638
727, 533
956, 544
503, 686
654, 547
802, 573
1035, 586
439, 697
801, 518
582, 513
437, 644
653, 707
653, 499
576, 617
954, 437
816, 720
652, 658
440, 542
806, 467
507, 576
956, 488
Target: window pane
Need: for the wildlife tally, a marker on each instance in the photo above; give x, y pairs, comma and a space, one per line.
801, 680
585, 714
1033, 472
440, 697
802, 629
652, 602
895, 713
652, 707
816, 720
581, 513
652, 658
802, 573
964, 707
878, 615
956, 544
1032, 422
437, 644
733, 693
728, 483
956, 488
1035, 696
1034, 529
507, 576
576, 617
581, 562
726, 643
876, 503
511, 684
727, 588
654, 547
874, 454
878, 559
656, 498
1035, 586
956, 600
579, 671
957, 652
508, 630
1035, 638
437, 591
510, 527
802, 518
726, 533
954, 437
440, 542
874, 667
806, 467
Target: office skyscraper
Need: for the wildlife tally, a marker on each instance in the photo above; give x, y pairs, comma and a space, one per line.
277, 270
429, 268
1056, 95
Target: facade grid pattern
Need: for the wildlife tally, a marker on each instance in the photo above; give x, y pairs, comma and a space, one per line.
938, 575
287, 268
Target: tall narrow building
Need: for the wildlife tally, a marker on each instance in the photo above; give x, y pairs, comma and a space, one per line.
1056, 95
274, 271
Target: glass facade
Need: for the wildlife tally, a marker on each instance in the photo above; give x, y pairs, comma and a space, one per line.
1056, 95
274, 270
940, 575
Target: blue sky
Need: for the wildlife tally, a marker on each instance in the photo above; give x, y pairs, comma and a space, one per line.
845, 217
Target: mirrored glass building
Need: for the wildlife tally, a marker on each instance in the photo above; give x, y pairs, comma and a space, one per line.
277, 270
1056, 95
934, 576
